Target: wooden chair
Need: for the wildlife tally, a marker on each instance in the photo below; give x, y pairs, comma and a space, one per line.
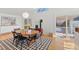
22, 40
15, 37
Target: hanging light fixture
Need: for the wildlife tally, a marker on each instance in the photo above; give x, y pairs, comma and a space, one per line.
25, 15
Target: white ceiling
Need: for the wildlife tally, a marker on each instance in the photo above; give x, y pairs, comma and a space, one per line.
66, 11
56, 11
15, 11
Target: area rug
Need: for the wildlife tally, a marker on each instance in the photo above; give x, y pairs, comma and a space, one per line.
40, 44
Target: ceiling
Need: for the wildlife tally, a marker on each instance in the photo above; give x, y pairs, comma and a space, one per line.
66, 11
15, 11
56, 11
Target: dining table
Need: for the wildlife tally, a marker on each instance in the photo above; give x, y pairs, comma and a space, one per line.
26, 33
29, 35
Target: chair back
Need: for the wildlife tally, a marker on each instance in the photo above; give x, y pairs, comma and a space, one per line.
19, 35
14, 34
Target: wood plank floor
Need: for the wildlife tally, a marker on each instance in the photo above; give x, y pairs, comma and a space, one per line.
9, 35
5, 36
57, 44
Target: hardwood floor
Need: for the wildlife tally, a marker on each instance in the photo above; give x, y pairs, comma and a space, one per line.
56, 44
5, 36
9, 35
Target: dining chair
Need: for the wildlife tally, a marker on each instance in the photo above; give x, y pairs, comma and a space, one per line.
15, 37
22, 40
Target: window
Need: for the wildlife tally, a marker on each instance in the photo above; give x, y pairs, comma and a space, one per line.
64, 25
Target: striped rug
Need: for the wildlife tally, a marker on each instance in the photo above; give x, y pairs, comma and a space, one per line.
40, 44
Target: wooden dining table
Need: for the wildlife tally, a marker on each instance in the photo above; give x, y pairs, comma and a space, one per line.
26, 33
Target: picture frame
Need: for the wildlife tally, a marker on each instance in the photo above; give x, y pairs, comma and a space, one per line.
8, 21
27, 21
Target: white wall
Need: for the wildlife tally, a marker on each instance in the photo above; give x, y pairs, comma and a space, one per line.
49, 20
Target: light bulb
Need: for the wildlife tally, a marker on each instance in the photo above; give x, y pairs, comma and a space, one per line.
25, 15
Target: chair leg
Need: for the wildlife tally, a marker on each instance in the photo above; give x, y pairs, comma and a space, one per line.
13, 41
16, 43
21, 46
27, 43
36, 46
